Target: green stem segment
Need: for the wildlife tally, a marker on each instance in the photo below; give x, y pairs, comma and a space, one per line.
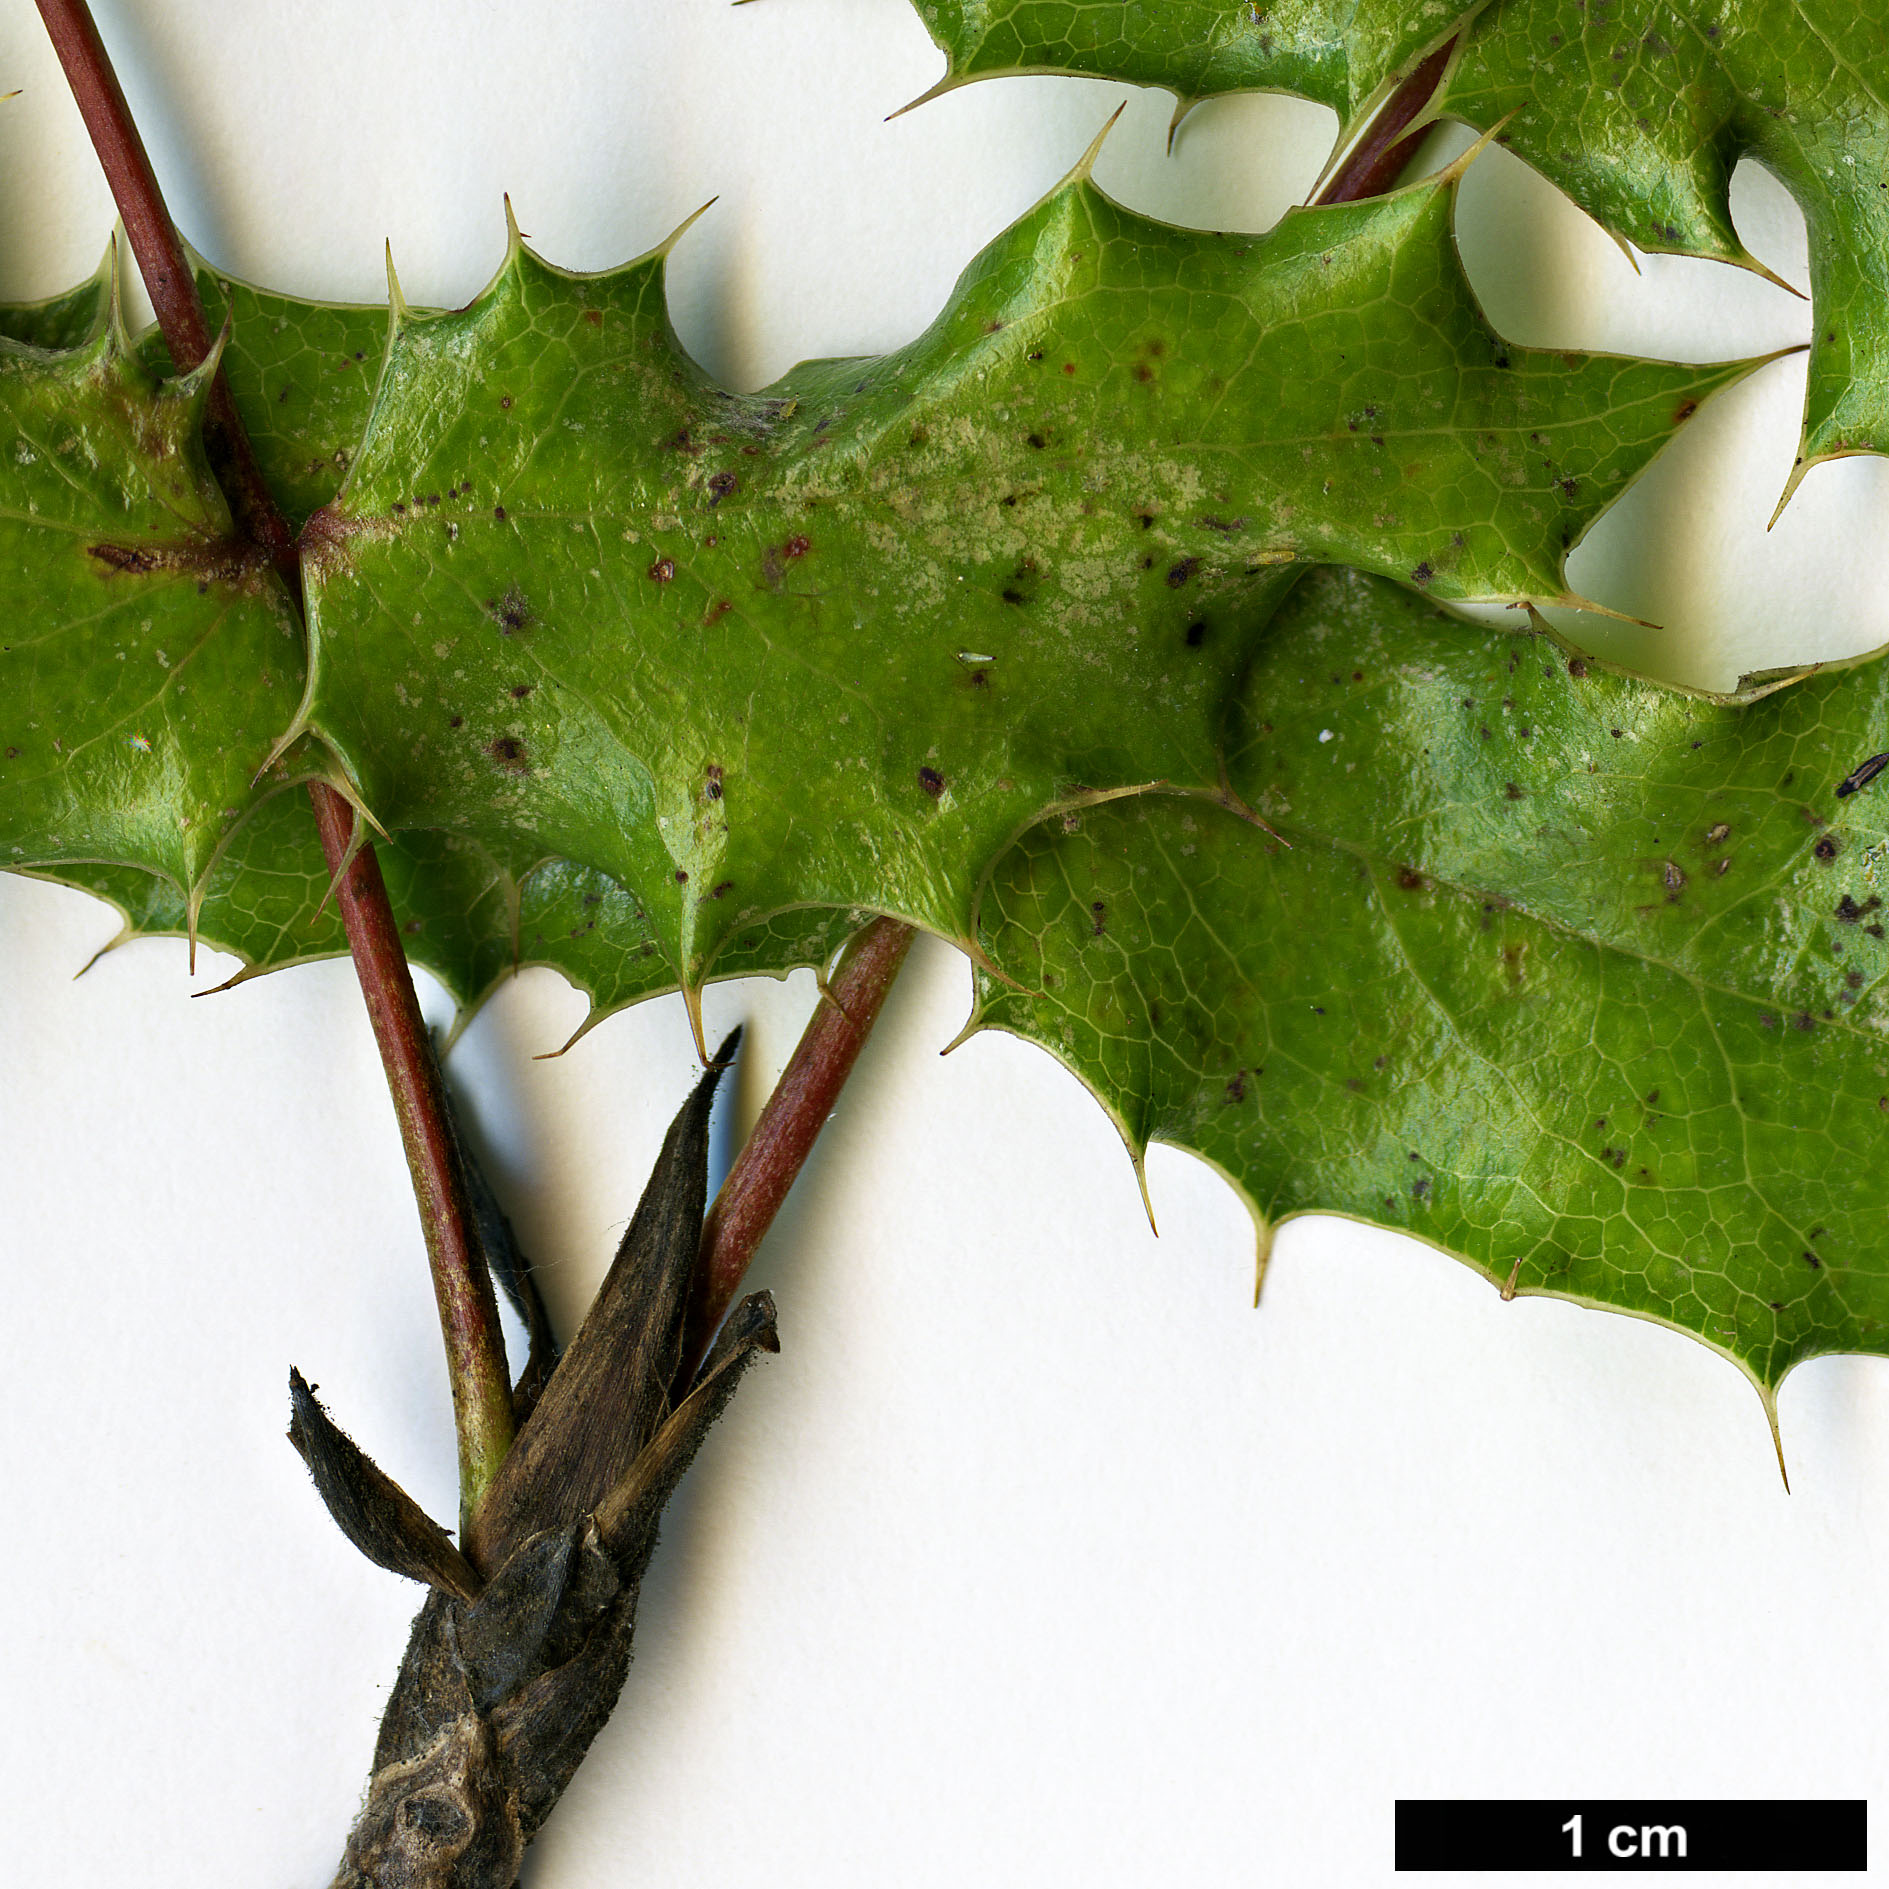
475, 1344
790, 1124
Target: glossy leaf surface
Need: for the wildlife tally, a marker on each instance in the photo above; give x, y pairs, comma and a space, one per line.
147, 661
1579, 977
1638, 109
835, 643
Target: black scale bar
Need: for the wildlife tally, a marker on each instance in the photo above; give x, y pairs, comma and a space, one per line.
1630, 1834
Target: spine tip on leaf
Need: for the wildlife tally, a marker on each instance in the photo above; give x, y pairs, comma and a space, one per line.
1085, 165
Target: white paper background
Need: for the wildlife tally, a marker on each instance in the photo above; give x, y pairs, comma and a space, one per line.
1038, 1556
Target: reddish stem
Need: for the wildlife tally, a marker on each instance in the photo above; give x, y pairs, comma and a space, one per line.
790, 1124
167, 275
468, 1310
462, 1283
1374, 164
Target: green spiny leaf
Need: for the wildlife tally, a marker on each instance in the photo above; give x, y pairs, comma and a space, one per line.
302, 375
835, 643
148, 660
466, 920
1342, 55
1638, 109
1578, 977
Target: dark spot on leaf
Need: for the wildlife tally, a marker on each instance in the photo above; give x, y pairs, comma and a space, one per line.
509, 752
1178, 574
796, 547
455, 721
682, 878
1411, 879
1854, 979
1098, 919
1196, 635
931, 780
1860, 776
1236, 1086
505, 400
135, 560
1420, 1187
498, 512
1827, 848
1037, 440
1804, 1021
1684, 411
520, 690
1810, 1259
726, 886
1510, 788
514, 614
716, 611
662, 571
1422, 574
1142, 371
1577, 668
721, 486
712, 787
